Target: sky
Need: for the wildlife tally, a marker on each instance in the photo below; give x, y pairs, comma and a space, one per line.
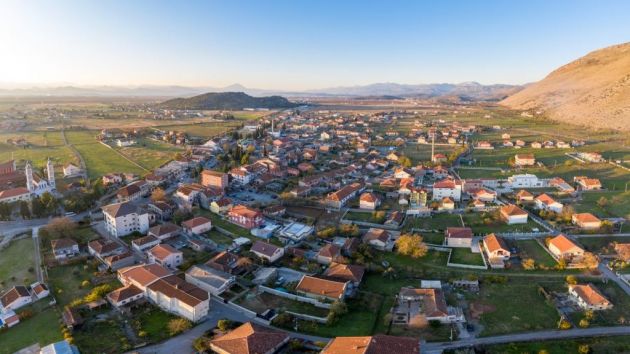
299, 44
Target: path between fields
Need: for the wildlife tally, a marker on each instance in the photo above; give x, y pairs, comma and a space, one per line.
430, 348
125, 156
78, 155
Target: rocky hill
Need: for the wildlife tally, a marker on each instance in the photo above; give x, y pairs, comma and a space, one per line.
593, 91
227, 100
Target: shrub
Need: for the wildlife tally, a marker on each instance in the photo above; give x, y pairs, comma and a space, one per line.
178, 325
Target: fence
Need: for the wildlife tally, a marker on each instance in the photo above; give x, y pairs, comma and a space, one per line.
467, 266
308, 317
295, 297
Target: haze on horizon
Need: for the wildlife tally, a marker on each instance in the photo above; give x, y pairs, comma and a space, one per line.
288, 45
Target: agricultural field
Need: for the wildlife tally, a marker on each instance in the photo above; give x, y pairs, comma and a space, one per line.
609, 345
434, 222
599, 244
150, 154
618, 204
465, 256
420, 152
42, 328
495, 310
17, 263
99, 159
42, 145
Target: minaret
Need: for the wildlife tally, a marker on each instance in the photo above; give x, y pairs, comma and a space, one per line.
50, 170
29, 177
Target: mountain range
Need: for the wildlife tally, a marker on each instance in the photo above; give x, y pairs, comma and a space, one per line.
227, 100
465, 91
593, 91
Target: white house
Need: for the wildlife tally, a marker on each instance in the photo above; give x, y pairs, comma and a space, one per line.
64, 248
125, 218
545, 202
209, 279
562, 247
15, 298
71, 170
267, 251
447, 188
588, 297
525, 181
166, 256
512, 214
459, 237
197, 225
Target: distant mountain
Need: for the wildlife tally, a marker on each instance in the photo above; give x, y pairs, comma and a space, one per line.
466, 90
471, 91
593, 90
228, 100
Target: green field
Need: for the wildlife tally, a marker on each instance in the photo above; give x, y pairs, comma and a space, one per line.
531, 249
599, 244
474, 221
598, 345
618, 204
100, 337
150, 154
500, 315
17, 264
204, 130
99, 159
42, 328
434, 222
42, 145
154, 322
419, 152
465, 256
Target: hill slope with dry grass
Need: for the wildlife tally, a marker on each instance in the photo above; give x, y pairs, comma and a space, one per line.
593, 91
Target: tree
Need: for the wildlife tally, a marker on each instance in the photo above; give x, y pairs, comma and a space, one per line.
529, 264
584, 349
378, 217
564, 324
571, 279
158, 195
411, 245
224, 325
49, 202
590, 260
589, 314
25, 212
178, 325
602, 202
5, 211
584, 323
61, 227
337, 309
404, 161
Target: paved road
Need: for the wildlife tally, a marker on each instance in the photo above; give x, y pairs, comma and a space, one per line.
607, 273
38, 255
430, 348
182, 344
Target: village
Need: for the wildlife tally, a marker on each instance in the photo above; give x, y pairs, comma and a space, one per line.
316, 230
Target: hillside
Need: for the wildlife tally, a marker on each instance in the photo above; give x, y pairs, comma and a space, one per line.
227, 100
593, 91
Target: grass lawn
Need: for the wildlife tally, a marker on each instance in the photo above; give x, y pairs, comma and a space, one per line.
150, 153
420, 152
263, 301
65, 282
618, 204
361, 216
359, 321
98, 158
434, 222
100, 337
531, 249
219, 238
601, 244
435, 238
474, 174
465, 256
43, 327
621, 305
500, 314
17, 263
475, 222
608, 345
154, 322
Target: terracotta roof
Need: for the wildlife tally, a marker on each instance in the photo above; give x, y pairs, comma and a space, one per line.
123, 293
103, 246
212, 173
545, 199
563, 244
144, 240
163, 229
494, 243
194, 222
162, 251
368, 197
13, 294
39, 288
250, 338
62, 243
459, 232
524, 194
264, 248
242, 210
173, 286
434, 303
345, 192
512, 210
14, 192
323, 287
377, 344
376, 234
144, 274
446, 184
346, 272
329, 251
585, 217
590, 294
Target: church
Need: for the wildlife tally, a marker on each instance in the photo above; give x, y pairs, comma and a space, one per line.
38, 185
